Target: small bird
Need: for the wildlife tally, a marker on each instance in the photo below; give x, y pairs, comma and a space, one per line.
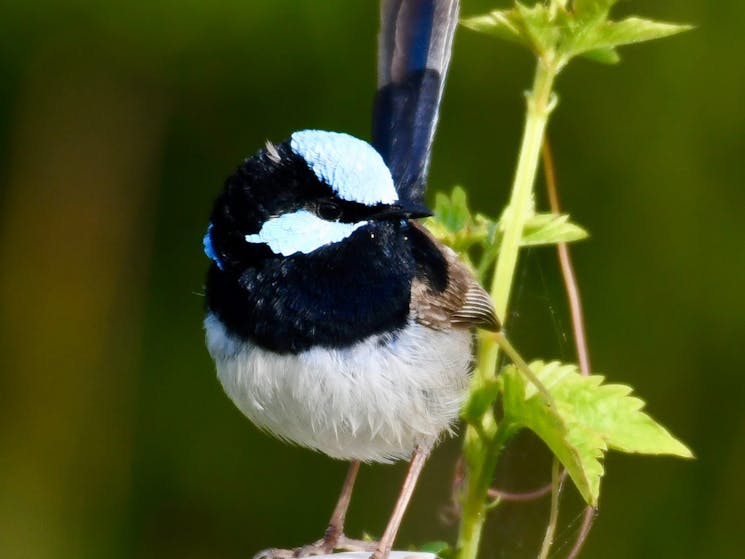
336, 321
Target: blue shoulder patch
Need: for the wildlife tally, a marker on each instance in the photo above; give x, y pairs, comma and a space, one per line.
350, 166
209, 250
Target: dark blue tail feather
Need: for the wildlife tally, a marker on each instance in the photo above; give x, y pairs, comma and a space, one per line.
414, 52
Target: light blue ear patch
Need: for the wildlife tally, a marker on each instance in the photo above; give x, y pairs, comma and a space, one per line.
350, 166
209, 250
301, 231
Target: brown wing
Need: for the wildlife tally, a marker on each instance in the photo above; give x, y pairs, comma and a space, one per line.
462, 303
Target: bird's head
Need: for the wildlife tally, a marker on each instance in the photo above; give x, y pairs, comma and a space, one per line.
313, 190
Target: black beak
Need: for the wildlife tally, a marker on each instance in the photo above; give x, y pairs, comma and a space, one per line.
401, 210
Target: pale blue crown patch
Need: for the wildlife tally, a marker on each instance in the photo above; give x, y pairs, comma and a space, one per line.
301, 231
350, 166
209, 250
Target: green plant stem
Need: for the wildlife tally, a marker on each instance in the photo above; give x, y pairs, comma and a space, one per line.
520, 209
553, 520
523, 367
475, 506
483, 443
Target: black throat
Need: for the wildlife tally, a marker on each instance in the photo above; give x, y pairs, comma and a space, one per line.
333, 297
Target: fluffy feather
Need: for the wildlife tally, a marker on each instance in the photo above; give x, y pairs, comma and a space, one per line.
374, 401
463, 303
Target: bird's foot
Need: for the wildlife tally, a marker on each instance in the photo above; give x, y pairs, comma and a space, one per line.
275, 553
320, 547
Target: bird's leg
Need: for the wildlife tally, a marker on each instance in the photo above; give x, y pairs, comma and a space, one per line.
334, 537
335, 531
415, 468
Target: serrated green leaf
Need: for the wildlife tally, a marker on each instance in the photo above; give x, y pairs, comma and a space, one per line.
541, 27
635, 30
533, 413
603, 56
504, 24
550, 29
594, 417
592, 10
611, 34
617, 416
549, 228
454, 225
452, 211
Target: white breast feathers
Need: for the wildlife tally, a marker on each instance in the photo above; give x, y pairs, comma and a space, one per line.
374, 401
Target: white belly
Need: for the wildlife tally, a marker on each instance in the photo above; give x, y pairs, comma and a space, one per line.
374, 401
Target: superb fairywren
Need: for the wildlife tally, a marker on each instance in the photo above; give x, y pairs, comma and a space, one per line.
336, 321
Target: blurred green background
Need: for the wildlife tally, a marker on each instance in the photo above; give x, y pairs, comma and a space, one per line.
118, 123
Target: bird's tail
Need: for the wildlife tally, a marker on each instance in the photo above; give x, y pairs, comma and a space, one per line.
414, 46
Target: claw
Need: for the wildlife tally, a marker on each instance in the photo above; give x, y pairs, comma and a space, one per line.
274, 553
320, 547
349, 544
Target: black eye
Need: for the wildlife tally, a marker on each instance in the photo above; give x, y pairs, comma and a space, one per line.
328, 211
